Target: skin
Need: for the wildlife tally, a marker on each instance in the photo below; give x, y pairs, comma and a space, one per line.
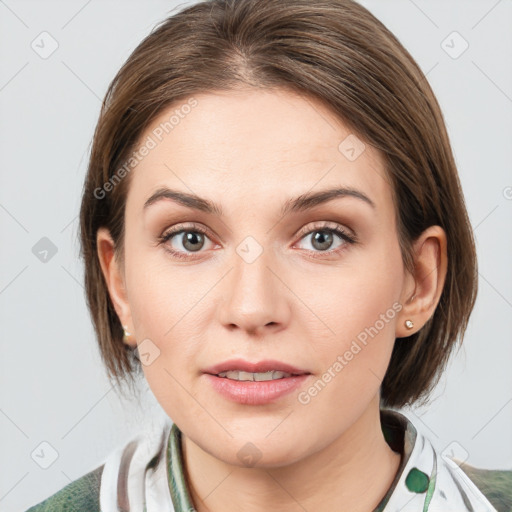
250, 151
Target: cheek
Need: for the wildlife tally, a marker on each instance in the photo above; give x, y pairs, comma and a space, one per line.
163, 304
162, 297
360, 311
354, 360
360, 293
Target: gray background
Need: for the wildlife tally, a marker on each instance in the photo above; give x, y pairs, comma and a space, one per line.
53, 386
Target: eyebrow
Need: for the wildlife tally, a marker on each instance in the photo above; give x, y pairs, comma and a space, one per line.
301, 203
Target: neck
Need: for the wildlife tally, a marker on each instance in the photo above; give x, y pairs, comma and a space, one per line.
353, 473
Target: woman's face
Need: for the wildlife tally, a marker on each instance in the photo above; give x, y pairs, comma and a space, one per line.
266, 280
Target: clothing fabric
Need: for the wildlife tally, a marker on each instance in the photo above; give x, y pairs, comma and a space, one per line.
147, 475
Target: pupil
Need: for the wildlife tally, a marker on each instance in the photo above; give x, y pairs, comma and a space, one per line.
193, 238
324, 238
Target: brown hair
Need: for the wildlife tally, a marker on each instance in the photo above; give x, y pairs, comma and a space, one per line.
337, 52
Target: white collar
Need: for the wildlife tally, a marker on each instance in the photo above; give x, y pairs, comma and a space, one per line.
146, 475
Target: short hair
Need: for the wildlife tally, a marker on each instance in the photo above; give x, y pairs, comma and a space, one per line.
338, 53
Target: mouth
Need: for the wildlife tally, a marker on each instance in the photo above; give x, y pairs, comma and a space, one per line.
256, 376
242, 370
255, 383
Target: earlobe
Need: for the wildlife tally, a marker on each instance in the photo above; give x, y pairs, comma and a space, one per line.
113, 277
422, 289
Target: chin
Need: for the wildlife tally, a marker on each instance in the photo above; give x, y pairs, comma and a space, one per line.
257, 451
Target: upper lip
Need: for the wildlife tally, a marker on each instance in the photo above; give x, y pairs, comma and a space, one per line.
258, 367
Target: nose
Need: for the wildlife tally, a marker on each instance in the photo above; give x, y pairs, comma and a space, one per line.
255, 297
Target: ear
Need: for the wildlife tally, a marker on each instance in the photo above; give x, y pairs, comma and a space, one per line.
422, 289
114, 277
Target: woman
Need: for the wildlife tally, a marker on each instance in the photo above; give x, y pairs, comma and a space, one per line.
300, 149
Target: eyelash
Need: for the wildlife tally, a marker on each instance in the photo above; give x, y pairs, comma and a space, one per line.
195, 228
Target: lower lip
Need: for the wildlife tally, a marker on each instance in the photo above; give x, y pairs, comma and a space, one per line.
255, 393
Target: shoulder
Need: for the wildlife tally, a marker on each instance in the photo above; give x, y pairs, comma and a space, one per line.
439, 481
496, 485
81, 495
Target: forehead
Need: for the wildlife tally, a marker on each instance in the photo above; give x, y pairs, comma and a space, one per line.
254, 145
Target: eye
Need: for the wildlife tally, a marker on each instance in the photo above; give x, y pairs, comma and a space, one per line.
183, 241
191, 238
323, 236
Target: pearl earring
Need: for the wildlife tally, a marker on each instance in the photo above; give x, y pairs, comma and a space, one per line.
126, 334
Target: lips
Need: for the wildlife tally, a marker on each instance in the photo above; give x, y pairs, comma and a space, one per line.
258, 367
